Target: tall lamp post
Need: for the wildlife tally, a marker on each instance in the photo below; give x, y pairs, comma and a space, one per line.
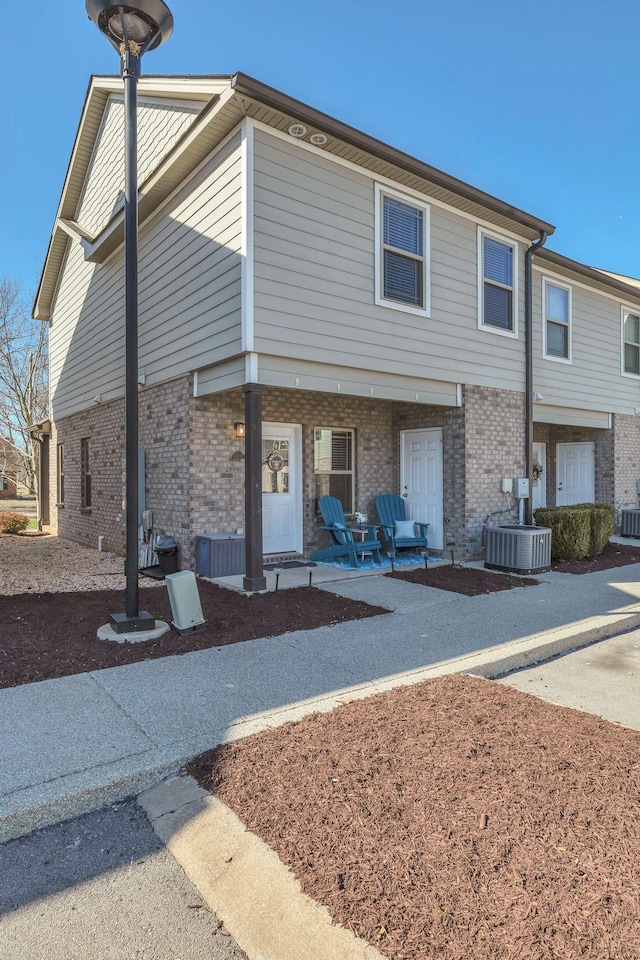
132, 30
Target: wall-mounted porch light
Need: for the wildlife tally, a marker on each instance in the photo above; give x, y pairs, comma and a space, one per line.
239, 429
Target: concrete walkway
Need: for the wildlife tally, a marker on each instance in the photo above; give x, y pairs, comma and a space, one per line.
70, 745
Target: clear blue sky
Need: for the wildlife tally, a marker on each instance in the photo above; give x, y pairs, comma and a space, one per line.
535, 103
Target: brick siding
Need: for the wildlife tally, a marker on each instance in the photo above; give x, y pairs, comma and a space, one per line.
195, 464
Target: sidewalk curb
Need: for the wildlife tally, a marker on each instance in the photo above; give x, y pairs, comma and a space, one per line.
243, 881
70, 796
238, 875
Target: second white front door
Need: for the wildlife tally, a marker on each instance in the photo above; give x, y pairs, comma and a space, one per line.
421, 480
281, 488
576, 473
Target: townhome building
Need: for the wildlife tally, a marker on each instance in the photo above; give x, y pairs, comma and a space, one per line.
383, 326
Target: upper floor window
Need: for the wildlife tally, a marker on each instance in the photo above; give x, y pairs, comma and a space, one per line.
498, 271
85, 472
630, 343
402, 252
557, 321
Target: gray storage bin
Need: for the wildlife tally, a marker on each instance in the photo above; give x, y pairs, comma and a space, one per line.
220, 554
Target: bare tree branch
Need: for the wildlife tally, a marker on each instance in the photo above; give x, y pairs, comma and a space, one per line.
24, 394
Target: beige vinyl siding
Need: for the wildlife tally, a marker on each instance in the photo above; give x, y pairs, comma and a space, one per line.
314, 279
593, 380
189, 294
159, 126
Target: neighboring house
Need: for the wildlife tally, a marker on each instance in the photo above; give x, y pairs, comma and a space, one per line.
11, 472
365, 312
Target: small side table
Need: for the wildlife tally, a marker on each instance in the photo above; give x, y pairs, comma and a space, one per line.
363, 533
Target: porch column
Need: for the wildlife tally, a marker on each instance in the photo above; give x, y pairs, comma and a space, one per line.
254, 574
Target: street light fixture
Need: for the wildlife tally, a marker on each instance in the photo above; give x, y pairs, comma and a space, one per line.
132, 30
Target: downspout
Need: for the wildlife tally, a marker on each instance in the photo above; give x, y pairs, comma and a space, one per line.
528, 377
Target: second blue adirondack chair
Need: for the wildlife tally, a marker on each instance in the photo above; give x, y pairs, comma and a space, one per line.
398, 532
342, 536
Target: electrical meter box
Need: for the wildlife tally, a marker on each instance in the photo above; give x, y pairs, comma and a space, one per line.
521, 488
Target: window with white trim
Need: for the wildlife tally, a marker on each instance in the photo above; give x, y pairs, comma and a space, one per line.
402, 232
498, 273
333, 465
631, 343
557, 320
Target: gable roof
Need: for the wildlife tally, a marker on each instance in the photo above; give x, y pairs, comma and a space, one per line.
228, 99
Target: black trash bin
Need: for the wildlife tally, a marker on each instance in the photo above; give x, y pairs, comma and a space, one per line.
167, 550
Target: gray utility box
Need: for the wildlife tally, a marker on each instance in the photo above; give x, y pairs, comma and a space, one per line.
219, 554
518, 548
630, 523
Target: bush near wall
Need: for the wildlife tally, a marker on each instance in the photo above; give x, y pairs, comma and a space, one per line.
603, 517
578, 531
13, 522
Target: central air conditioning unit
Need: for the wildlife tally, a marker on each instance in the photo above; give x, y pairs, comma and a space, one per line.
630, 520
518, 548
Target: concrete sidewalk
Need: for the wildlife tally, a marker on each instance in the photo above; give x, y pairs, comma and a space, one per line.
73, 744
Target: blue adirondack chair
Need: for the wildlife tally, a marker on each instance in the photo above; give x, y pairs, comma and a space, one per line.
342, 536
391, 509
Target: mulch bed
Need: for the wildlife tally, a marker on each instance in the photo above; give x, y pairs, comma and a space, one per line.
613, 555
471, 581
455, 819
54, 634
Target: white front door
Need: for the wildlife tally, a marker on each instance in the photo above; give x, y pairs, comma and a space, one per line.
576, 473
540, 485
421, 480
281, 488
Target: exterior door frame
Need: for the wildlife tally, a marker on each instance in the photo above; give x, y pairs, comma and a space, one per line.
577, 443
440, 432
295, 479
542, 482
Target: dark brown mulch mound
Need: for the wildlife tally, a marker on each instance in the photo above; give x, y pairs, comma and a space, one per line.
613, 555
456, 818
54, 634
467, 580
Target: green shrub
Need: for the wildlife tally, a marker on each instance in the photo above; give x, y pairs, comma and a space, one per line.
571, 531
13, 522
602, 525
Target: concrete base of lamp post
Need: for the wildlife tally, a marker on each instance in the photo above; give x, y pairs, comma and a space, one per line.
137, 636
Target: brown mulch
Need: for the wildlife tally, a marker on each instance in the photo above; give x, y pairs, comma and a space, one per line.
50, 635
471, 581
613, 555
456, 819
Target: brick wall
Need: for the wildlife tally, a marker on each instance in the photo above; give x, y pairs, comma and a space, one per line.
195, 464
603, 440
217, 461
626, 432
494, 448
163, 433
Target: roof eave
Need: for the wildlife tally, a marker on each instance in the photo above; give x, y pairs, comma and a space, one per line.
247, 86
591, 273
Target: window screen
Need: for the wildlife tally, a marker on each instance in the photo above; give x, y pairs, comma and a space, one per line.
632, 343
333, 465
403, 252
557, 313
497, 259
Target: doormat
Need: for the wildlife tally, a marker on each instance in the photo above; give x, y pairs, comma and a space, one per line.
289, 564
403, 560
